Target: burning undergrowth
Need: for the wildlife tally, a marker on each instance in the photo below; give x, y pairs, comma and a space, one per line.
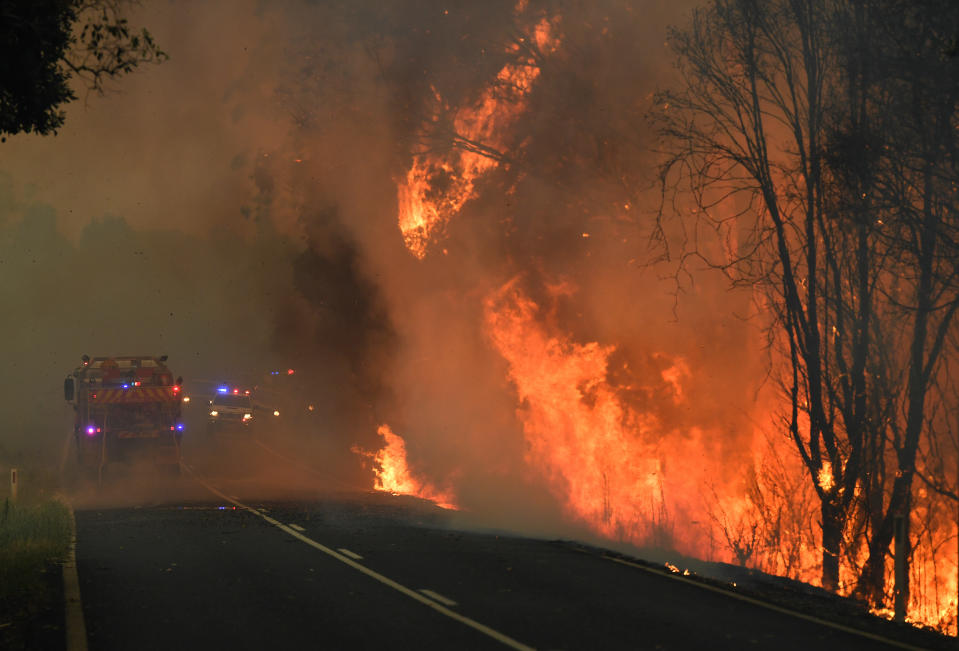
393, 474
599, 455
534, 365
462, 198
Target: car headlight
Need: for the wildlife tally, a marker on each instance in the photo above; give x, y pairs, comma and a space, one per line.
214, 413
247, 416
276, 412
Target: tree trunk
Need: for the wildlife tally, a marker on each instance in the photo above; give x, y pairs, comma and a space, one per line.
872, 581
832, 526
901, 602
871, 585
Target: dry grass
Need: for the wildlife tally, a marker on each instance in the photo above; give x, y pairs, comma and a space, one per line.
31, 538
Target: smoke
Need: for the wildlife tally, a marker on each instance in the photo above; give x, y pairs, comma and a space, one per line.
236, 209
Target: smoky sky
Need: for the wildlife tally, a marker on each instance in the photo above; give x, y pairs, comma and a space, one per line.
235, 208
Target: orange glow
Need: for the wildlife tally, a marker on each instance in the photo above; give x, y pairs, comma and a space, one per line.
825, 477
620, 471
438, 185
392, 474
611, 463
601, 457
617, 469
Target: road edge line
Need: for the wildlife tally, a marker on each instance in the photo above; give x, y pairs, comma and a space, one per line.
373, 574
763, 604
75, 624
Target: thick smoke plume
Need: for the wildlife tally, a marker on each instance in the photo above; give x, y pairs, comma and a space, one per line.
236, 208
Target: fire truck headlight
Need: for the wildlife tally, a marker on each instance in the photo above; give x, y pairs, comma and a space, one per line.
276, 412
214, 413
247, 416
186, 398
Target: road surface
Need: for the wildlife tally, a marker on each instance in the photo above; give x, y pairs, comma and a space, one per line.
210, 566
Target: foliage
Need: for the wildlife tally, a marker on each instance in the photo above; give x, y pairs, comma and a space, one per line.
44, 44
34, 39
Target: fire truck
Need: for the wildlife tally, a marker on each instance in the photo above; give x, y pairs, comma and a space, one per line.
125, 409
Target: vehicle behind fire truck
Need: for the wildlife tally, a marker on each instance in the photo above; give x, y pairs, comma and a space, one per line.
231, 408
125, 408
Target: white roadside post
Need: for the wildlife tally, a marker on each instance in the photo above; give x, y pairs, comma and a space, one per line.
14, 483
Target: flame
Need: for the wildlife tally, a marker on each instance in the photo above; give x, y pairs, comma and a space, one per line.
599, 455
392, 474
437, 185
612, 465
825, 477
674, 376
620, 471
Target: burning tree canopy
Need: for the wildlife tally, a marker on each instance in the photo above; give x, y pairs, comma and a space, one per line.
458, 210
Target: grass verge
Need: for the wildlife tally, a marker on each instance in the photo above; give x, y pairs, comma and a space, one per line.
34, 539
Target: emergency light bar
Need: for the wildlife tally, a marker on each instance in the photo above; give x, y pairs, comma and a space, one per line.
225, 390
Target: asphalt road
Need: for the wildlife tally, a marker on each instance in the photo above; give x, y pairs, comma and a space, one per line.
210, 566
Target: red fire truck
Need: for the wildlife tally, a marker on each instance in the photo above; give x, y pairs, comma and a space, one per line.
125, 408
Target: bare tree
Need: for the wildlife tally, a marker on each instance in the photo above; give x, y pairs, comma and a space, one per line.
917, 176
819, 118
749, 121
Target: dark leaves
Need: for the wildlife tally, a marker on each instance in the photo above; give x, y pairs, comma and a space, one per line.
44, 43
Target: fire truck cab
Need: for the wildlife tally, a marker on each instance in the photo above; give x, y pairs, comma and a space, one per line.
125, 408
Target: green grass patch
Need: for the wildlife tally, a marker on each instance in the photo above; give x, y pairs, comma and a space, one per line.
31, 538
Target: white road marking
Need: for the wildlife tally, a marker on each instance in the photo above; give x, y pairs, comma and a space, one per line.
297, 527
482, 628
446, 601
763, 604
347, 552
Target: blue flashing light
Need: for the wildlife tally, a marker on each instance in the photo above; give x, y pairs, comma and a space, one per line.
223, 390
126, 386
180, 427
